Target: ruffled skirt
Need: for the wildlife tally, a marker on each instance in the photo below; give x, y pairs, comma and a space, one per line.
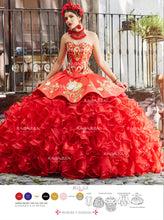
97, 137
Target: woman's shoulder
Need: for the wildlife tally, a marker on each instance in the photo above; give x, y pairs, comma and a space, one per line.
64, 36
91, 33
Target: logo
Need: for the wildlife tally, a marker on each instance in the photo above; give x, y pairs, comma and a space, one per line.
95, 212
57, 212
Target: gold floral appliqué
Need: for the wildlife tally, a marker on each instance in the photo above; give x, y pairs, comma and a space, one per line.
105, 85
73, 90
50, 87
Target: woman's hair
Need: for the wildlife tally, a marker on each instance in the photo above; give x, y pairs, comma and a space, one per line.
69, 7
76, 12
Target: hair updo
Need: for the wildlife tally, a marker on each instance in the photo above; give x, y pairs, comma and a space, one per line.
69, 7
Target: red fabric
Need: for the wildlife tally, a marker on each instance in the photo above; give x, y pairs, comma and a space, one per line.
79, 123
96, 137
78, 79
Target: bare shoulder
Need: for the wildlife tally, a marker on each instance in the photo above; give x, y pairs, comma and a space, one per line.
91, 34
64, 36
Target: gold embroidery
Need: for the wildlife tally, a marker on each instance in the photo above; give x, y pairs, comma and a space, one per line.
81, 69
73, 90
77, 53
91, 84
105, 85
78, 58
51, 88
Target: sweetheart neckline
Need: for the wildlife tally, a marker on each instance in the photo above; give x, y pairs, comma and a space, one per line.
79, 43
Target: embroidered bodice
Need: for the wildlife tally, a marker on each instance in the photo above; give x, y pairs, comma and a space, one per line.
78, 57
77, 80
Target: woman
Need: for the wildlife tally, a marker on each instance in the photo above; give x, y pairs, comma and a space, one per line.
78, 123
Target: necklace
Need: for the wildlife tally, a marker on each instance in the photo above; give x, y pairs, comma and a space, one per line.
77, 34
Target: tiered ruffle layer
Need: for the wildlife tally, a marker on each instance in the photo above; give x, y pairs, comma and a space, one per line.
98, 137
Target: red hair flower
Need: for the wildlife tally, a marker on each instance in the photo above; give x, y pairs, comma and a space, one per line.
80, 11
74, 7
69, 5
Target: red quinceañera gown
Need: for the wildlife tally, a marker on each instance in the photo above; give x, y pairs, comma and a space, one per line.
79, 123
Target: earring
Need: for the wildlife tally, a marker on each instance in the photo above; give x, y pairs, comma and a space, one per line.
79, 26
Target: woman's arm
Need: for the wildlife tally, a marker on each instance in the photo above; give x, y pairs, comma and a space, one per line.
59, 62
101, 62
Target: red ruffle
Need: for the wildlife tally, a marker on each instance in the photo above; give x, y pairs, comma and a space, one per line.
98, 137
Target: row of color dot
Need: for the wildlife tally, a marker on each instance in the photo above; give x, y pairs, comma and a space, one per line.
46, 196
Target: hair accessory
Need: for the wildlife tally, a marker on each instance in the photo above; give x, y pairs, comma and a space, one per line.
69, 5
79, 26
